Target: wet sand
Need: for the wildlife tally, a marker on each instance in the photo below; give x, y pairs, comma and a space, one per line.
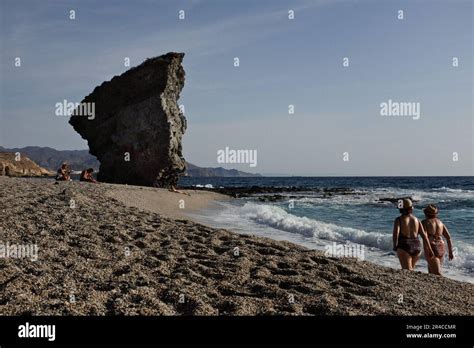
99, 256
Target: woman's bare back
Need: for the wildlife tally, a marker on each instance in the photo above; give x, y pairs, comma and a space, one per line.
409, 226
433, 227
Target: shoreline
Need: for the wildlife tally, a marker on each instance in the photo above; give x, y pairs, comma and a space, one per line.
261, 215
378, 257
117, 259
162, 201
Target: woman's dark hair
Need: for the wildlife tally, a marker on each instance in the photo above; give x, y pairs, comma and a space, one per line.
406, 211
90, 170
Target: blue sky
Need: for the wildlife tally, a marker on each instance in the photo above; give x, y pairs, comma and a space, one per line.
282, 62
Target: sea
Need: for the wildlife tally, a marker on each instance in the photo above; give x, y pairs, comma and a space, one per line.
362, 218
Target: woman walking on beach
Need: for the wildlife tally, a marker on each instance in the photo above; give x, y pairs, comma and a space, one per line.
436, 230
406, 229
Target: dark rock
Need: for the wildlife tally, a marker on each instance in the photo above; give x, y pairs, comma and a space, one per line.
244, 191
137, 113
274, 193
272, 198
340, 190
395, 200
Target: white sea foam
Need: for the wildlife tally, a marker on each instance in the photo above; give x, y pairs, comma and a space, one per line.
374, 196
447, 189
280, 219
276, 223
209, 186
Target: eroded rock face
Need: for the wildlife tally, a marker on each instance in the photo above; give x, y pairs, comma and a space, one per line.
12, 164
137, 128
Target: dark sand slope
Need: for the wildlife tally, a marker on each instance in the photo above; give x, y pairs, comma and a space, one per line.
82, 252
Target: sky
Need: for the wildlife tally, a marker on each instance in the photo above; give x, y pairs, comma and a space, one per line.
336, 128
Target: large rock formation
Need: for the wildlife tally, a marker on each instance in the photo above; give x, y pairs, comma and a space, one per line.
16, 164
137, 127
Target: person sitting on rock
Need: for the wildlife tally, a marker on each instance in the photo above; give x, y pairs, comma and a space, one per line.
64, 174
86, 175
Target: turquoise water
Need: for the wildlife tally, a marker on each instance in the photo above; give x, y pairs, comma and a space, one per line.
361, 218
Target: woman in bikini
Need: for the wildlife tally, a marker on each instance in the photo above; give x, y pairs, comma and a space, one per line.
406, 229
436, 230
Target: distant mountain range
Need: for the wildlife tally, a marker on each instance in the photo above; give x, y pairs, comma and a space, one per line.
51, 159
196, 171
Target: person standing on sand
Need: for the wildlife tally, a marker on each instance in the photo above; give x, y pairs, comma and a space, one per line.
406, 229
436, 230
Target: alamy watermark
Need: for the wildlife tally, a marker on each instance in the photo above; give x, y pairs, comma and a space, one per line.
407, 109
68, 109
237, 156
18, 251
345, 250
28, 330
